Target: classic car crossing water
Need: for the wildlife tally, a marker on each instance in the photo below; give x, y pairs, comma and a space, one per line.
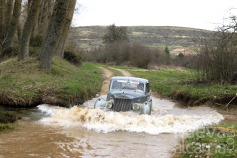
125, 94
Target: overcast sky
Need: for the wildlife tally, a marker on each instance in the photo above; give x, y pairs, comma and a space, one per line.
202, 14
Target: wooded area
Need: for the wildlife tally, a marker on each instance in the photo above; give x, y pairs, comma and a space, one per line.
44, 23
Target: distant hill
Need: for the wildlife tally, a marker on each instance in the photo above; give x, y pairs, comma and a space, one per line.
153, 36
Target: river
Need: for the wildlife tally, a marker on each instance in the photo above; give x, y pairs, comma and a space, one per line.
51, 131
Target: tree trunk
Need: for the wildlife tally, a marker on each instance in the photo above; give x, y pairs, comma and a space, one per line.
2, 19
51, 7
53, 33
34, 28
44, 18
13, 24
62, 41
19, 34
8, 14
25, 39
41, 14
29, 5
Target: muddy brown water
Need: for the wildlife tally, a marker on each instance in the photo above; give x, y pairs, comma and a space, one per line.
50, 131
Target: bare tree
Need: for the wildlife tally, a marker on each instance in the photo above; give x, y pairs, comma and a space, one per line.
2, 21
32, 15
216, 62
53, 33
62, 41
43, 17
9, 9
13, 24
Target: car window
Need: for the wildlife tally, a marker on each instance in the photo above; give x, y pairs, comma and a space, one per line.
128, 85
147, 88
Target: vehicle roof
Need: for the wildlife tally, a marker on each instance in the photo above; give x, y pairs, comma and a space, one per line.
130, 78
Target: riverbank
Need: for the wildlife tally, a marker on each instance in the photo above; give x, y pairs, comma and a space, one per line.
23, 84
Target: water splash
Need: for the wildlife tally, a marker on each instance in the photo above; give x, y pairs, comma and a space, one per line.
165, 118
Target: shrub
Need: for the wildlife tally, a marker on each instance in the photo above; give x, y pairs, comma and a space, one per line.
180, 55
73, 58
141, 55
11, 51
36, 41
124, 52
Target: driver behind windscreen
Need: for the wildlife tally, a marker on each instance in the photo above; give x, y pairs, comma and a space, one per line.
140, 86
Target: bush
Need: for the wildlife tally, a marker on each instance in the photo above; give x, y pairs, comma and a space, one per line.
124, 53
141, 56
11, 51
73, 58
180, 55
36, 41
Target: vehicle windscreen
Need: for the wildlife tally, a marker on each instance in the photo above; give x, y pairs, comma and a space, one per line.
128, 85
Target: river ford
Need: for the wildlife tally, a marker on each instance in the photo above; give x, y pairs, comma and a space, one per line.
51, 131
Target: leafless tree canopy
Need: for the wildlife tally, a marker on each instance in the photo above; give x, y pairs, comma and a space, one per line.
216, 61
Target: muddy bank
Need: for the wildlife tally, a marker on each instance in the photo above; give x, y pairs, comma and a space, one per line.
6, 117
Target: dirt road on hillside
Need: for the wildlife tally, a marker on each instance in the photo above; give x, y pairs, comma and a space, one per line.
124, 72
107, 75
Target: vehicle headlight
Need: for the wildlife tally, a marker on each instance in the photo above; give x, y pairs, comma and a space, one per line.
109, 104
135, 106
112, 101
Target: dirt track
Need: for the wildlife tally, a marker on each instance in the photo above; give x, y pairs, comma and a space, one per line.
124, 72
107, 75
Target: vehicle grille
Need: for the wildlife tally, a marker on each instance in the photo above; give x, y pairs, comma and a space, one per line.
122, 104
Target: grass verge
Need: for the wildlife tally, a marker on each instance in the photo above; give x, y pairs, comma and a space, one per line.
210, 142
22, 83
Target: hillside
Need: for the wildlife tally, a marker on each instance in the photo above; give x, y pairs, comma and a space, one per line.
153, 36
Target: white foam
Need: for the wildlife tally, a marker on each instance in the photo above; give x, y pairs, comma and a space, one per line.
49, 110
102, 121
